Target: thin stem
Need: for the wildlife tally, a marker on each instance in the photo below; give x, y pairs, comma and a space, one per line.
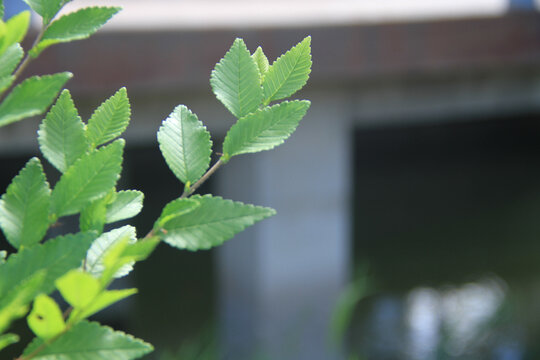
201, 181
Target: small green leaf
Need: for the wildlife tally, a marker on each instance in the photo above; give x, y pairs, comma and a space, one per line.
8, 339
264, 129
46, 320
185, 144
16, 29
91, 177
102, 245
262, 62
289, 73
46, 8
125, 205
110, 119
3, 256
74, 26
24, 208
94, 216
103, 300
89, 340
31, 97
8, 62
174, 209
61, 134
124, 253
213, 222
236, 82
140, 250
78, 288
10, 59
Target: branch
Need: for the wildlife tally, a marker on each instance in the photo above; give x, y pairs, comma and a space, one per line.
201, 181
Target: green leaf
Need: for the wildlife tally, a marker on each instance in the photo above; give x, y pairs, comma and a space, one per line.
174, 209
78, 288
31, 97
235, 81
140, 250
185, 144
264, 129
8, 339
2, 9
6, 81
93, 217
45, 319
16, 29
213, 222
124, 252
125, 205
8, 62
61, 134
110, 119
103, 300
46, 8
55, 257
24, 208
262, 62
15, 303
91, 177
3, 256
74, 26
34, 270
89, 340
103, 244
289, 73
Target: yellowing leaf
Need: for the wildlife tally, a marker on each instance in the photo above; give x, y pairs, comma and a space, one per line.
46, 320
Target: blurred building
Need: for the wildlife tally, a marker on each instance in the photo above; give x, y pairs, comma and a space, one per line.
419, 160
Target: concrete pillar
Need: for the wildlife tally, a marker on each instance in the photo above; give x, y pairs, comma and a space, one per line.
279, 280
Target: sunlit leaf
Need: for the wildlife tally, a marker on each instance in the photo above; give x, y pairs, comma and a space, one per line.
126, 204
31, 97
264, 129
262, 62
8, 339
174, 209
89, 340
78, 288
110, 119
24, 208
45, 319
213, 222
74, 26
236, 82
16, 29
289, 73
61, 134
102, 245
8, 62
90, 178
185, 144
46, 8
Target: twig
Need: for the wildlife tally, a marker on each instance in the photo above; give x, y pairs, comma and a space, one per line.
201, 181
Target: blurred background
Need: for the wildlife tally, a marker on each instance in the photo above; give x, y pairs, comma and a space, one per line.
408, 200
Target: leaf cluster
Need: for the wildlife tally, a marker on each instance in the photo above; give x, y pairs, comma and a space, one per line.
32, 96
88, 155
